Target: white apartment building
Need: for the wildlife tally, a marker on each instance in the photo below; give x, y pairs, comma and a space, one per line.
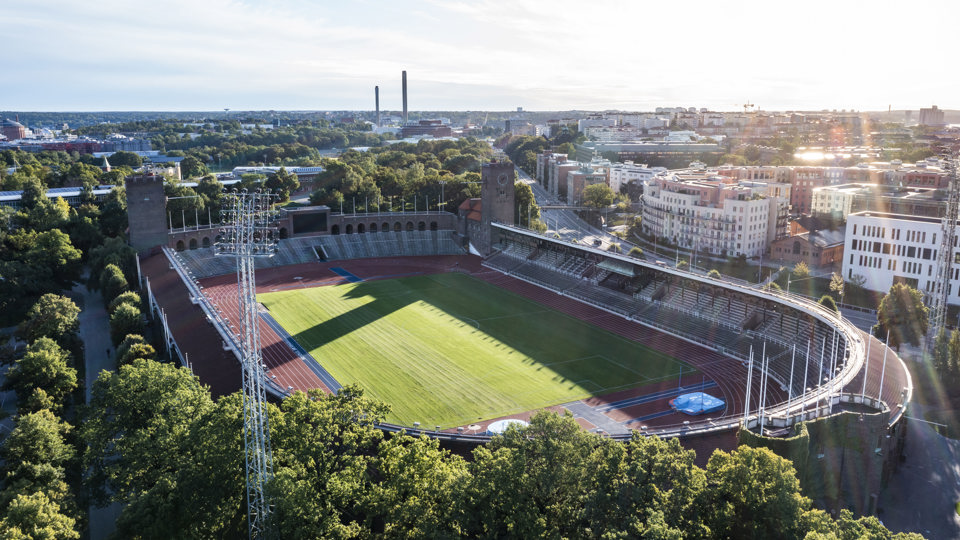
595, 121
834, 201
891, 248
628, 172
708, 213
612, 134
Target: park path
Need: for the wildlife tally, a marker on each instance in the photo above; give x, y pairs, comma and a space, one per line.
98, 355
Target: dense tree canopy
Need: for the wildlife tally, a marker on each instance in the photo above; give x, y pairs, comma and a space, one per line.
45, 366
52, 316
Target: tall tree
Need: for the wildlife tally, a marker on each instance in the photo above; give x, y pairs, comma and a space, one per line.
755, 494
45, 365
36, 516
282, 183
597, 196
528, 210
125, 320
323, 450
35, 454
52, 316
903, 314
135, 427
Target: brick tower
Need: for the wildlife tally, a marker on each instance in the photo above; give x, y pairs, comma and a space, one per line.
498, 198
147, 208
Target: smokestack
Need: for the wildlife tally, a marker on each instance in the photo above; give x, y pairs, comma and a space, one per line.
376, 99
404, 97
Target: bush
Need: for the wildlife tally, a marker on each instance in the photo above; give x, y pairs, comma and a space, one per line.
125, 320
128, 297
112, 282
828, 302
636, 252
132, 347
713, 274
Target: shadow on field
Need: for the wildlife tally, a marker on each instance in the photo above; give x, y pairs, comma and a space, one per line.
547, 338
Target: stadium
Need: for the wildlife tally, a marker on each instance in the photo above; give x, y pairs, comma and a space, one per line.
462, 321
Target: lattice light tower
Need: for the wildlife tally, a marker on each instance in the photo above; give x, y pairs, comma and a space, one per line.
948, 236
249, 232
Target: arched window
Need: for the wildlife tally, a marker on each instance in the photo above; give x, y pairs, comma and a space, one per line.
361, 228
385, 227
193, 243
421, 226
349, 229
397, 227
373, 227
433, 225
409, 226
206, 242
180, 245
335, 229
796, 247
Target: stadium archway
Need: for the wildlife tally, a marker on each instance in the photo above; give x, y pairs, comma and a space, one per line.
409, 226
361, 228
206, 242
385, 227
193, 243
349, 229
335, 229
397, 227
180, 245
421, 226
433, 225
373, 227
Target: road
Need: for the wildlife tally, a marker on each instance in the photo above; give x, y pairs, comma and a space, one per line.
566, 223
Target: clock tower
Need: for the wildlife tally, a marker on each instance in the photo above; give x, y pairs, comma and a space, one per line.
497, 193
498, 201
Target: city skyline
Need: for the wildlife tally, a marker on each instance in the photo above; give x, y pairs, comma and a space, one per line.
299, 55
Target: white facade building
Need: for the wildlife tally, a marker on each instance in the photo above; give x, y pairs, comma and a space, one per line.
889, 248
628, 172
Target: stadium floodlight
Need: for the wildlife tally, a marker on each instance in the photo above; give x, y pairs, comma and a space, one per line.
250, 226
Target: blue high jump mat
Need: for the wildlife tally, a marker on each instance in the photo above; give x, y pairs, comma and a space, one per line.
696, 403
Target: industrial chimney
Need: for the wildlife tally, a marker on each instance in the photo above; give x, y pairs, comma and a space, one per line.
404, 97
376, 99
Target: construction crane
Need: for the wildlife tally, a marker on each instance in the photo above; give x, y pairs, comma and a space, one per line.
937, 299
747, 106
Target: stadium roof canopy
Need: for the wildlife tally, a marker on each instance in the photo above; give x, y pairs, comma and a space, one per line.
618, 267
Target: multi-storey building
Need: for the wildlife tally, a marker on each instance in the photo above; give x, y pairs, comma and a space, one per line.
12, 130
579, 179
709, 213
931, 117
837, 202
883, 249
628, 172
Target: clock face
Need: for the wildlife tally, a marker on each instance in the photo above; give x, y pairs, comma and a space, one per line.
502, 179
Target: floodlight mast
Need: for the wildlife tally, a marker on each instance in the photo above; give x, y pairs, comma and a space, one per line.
249, 232
939, 296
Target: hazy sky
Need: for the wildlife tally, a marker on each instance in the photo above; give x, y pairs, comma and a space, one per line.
477, 54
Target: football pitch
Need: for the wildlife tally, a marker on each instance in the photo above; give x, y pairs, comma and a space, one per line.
449, 349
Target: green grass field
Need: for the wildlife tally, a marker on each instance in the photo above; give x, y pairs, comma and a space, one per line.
450, 350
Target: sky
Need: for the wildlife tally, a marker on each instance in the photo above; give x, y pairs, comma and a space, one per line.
632, 55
